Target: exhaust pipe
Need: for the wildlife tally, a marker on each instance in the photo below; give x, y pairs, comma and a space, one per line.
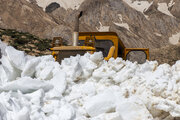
75, 38
76, 30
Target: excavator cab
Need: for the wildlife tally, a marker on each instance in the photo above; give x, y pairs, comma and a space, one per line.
107, 42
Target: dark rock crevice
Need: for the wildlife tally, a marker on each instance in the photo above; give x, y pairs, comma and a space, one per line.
51, 7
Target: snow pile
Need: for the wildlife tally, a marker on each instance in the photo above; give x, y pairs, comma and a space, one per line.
86, 88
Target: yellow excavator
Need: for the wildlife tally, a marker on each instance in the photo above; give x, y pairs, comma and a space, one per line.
107, 42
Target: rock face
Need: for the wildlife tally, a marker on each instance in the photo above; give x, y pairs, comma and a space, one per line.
134, 28
53, 6
175, 9
151, 27
23, 16
167, 54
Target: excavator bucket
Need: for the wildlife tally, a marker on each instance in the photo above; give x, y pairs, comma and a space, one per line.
66, 51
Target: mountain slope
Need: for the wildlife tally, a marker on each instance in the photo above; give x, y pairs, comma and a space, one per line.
150, 26
23, 16
67, 4
138, 23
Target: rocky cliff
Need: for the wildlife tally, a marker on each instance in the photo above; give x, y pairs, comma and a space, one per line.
26, 17
149, 27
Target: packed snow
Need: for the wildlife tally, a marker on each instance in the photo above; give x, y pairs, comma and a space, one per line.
102, 28
140, 6
124, 25
163, 7
121, 23
73, 4
158, 34
120, 17
174, 39
86, 88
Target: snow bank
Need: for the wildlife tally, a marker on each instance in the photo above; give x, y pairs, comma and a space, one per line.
133, 109
100, 103
26, 85
86, 88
